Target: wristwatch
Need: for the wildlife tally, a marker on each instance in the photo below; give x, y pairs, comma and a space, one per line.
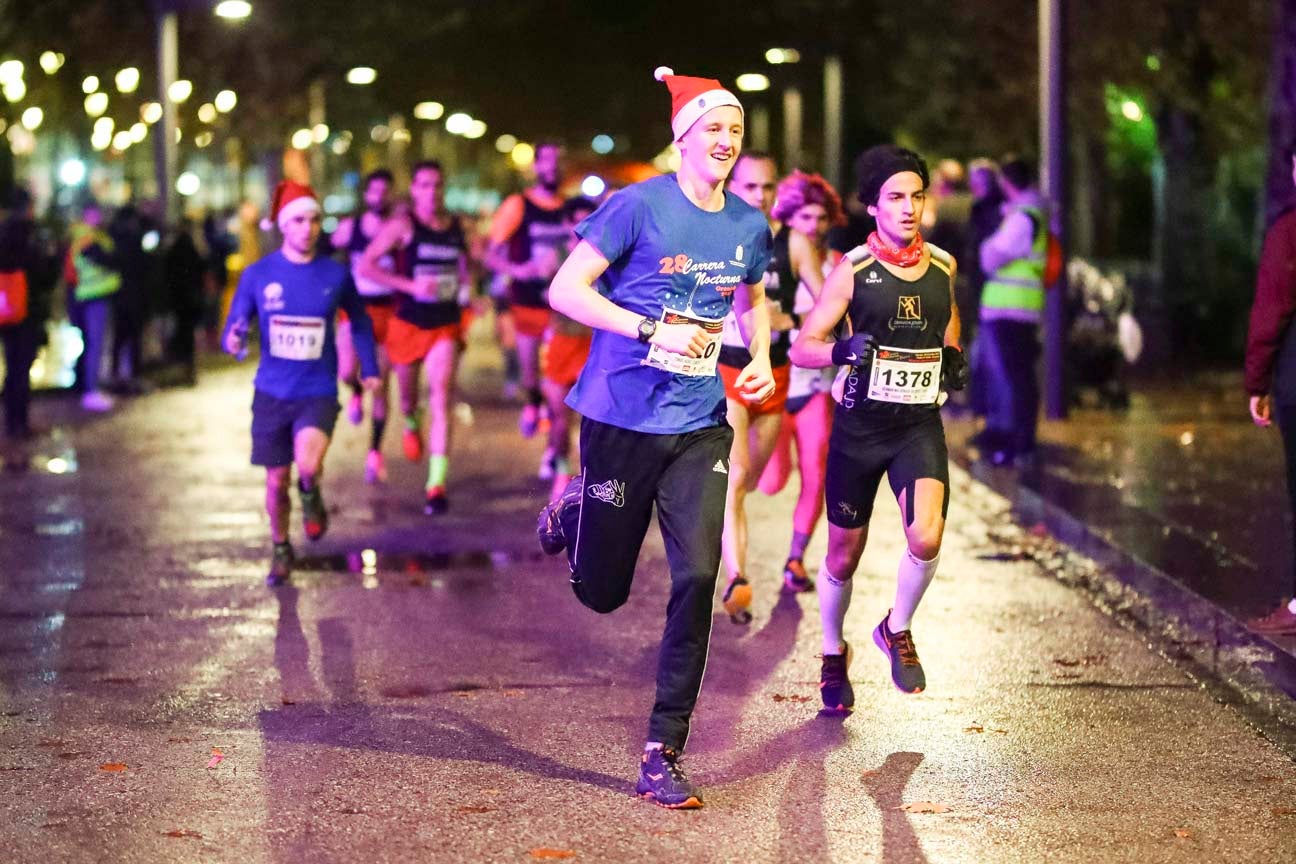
647, 327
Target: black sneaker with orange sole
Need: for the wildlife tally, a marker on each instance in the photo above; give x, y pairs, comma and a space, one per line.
906, 670
834, 682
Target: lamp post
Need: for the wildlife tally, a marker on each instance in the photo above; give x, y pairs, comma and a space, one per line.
166, 154
1053, 186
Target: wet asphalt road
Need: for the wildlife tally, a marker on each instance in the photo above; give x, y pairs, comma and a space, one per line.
453, 702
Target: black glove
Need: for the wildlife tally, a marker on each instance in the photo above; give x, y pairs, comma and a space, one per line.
858, 350
954, 368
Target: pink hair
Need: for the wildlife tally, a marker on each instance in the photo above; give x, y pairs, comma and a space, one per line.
799, 189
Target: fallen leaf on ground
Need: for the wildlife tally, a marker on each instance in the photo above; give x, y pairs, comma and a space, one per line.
999, 731
288, 701
552, 853
1183, 832
924, 807
474, 808
183, 833
1284, 811
975, 727
217, 757
779, 697
113, 766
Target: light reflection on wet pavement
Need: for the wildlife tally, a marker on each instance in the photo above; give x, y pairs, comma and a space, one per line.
428, 689
1184, 481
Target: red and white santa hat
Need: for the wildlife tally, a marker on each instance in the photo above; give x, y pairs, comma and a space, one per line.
692, 97
290, 199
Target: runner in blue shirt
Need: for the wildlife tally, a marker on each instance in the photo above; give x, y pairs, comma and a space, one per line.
295, 295
659, 266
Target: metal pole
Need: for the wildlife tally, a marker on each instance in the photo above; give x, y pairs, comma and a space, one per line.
833, 112
317, 112
164, 141
791, 128
1053, 177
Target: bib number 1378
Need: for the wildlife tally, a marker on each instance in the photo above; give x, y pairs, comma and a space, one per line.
905, 377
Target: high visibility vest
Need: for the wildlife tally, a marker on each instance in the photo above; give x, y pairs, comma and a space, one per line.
93, 281
1015, 292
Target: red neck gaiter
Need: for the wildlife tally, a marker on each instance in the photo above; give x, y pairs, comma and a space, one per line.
906, 257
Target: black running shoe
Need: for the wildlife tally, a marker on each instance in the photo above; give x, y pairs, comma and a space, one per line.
314, 514
281, 562
663, 782
436, 502
834, 681
906, 671
737, 600
549, 528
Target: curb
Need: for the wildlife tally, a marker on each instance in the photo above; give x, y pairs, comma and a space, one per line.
1242, 668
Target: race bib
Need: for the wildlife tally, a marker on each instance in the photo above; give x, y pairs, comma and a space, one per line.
445, 285
905, 377
296, 337
678, 364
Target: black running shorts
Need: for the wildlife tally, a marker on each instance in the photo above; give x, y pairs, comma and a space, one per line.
905, 447
276, 422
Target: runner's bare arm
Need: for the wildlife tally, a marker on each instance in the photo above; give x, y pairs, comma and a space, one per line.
807, 262
394, 234
813, 349
752, 313
505, 223
341, 238
755, 381
572, 293
954, 330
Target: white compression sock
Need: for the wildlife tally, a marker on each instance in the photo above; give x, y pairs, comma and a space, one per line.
912, 579
834, 600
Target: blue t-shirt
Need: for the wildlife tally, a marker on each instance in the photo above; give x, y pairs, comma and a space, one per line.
664, 253
295, 305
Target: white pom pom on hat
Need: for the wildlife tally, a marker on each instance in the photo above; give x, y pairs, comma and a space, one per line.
692, 97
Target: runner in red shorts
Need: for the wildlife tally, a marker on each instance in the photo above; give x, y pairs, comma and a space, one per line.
527, 238
353, 236
427, 328
566, 348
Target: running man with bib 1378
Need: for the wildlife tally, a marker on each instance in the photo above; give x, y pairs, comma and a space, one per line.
900, 351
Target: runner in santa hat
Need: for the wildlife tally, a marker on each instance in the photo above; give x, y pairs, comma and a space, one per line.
294, 296
656, 271
896, 295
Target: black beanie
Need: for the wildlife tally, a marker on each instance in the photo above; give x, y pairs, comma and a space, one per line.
879, 164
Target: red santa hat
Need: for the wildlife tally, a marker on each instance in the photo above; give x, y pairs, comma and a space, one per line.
692, 97
290, 199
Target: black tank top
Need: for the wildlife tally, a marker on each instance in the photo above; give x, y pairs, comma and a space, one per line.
780, 288
371, 291
540, 236
436, 254
900, 314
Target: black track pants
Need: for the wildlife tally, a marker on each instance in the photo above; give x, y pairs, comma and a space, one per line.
624, 473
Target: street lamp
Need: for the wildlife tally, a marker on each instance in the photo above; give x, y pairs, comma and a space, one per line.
128, 80
361, 75
233, 10
752, 82
429, 111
